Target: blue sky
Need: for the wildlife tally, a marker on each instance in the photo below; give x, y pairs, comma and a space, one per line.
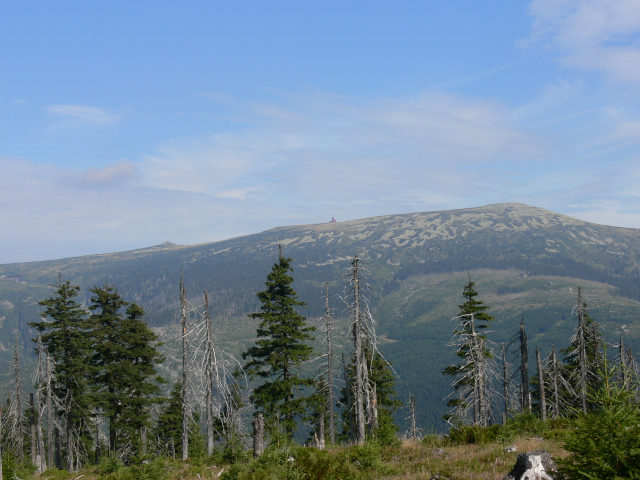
127, 124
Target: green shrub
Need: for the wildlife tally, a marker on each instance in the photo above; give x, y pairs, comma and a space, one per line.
605, 443
472, 434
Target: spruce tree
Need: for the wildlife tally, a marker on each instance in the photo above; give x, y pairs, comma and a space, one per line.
280, 350
471, 383
123, 363
63, 334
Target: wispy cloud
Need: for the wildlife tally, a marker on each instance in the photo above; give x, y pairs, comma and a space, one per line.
109, 175
84, 114
591, 34
325, 146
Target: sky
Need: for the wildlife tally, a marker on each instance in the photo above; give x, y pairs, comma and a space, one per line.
127, 124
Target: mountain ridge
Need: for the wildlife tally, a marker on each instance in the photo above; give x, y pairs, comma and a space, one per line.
526, 260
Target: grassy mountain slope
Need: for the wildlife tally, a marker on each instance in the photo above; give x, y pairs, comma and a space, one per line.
525, 260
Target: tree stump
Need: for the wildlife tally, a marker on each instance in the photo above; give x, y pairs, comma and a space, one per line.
536, 465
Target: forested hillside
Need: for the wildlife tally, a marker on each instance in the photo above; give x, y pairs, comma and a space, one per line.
524, 260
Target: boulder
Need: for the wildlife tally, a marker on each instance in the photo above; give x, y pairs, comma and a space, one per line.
533, 466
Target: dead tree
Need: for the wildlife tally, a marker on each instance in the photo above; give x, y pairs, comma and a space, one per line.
40, 462
32, 426
413, 433
505, 384
328, 322
543, 400
357, 329
555, 367
15, 410
524, 369
185, 366
0, 443
209, 367
473, 376
49, 406
258, 435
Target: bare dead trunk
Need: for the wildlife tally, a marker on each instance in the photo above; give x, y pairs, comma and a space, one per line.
18, 391
330, 394
0, 443
321, 442
543, 399
556, 393
524, 369
582, 353
49, 414
357, 340
185, 376
258, 436
505, 385
210, 380
32, 426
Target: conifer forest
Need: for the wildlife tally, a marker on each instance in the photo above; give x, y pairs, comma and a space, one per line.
302, 399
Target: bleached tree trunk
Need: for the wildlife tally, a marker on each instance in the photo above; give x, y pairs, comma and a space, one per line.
543, 399
49, 413
582, 354
321, 435
185, 376
330, 389
258, 436
209, 367
41, 462
358, 354
623, 367
32, 426
0, 443
556, 392
505, 385
413, 432
18, 399
69, 429
524, 369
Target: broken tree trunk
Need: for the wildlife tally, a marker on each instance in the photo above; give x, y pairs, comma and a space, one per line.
543, 399
330, 399
524, 369
582, 355
185, 376
18, 399
358, 354
258, 436
209, 367
505, 385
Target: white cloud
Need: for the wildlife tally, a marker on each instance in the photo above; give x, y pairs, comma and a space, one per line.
591, 34
322, 146
84, 114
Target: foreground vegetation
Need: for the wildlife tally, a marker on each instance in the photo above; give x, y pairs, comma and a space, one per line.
406, 460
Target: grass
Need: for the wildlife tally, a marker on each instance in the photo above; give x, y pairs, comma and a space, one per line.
411, 460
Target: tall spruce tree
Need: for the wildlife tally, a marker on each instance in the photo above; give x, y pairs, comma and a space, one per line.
63, 333
281, 348
123, 363
471, 385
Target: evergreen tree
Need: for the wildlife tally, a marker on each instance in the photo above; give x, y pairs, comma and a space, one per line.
64, 337
280, 350
168, 429
470, 373
124, 358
